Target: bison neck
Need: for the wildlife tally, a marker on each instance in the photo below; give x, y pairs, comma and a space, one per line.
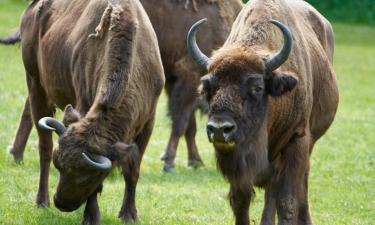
104, 127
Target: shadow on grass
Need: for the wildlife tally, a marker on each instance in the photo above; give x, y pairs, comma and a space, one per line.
185, 175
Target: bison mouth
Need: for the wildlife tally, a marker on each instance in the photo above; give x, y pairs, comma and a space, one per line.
224, 147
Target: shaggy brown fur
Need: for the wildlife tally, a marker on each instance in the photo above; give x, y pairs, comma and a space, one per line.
102, 58
278, 117
172, 19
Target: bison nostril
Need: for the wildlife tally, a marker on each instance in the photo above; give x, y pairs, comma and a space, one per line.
210, 128
228, 129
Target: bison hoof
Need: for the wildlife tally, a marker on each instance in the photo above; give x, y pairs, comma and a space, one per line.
42, 200
17, 157
128, 217
42, 203
195, 163
168, 168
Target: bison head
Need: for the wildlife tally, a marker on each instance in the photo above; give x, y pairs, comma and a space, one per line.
81, 170
239, 82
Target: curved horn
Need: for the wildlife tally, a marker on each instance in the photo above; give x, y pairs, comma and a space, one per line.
51, 124
192, 46
98, 161
277, 60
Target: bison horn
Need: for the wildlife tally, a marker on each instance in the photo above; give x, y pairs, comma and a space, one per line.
277, 60
51, 124
97, 161
192, 46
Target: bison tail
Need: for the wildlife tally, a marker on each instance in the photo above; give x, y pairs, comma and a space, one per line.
11, 39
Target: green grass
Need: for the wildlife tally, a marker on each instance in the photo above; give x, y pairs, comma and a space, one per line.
342, 177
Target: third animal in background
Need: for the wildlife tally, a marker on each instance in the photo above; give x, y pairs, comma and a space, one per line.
171, 21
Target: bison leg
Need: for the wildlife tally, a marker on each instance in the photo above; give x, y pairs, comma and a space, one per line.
128, 210
91, 215
180, 111
170, 152
193, 154
304, 217
240, 203
41, 108
181, 105
269, 211
289, 181
23, 132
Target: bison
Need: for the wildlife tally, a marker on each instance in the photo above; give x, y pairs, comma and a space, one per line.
171, 21
267, 109
102, 57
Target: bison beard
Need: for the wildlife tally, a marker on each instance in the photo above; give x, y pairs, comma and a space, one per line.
267, 110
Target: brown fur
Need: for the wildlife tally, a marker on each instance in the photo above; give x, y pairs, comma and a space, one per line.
278, 125
235, 60
172, 19
102, 58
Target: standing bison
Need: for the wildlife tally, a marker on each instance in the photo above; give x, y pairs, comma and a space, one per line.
171, 20
103, 58
268, 109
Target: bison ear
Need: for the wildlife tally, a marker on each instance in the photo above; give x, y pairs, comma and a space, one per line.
70, 115
125, 154
278, 84
204, 89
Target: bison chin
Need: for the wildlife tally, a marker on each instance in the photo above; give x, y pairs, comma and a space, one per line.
247, 159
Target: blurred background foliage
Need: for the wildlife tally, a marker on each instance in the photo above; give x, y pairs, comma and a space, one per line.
353, 11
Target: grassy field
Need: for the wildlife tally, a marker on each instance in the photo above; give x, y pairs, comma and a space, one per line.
342, 181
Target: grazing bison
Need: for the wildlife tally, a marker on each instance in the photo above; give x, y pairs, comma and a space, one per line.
103, 58
268, 109
171, 20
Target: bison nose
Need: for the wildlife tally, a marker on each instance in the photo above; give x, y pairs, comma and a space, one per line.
221, 132
63, 207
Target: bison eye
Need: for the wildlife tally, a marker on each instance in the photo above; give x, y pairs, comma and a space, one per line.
255, 85
255, 89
